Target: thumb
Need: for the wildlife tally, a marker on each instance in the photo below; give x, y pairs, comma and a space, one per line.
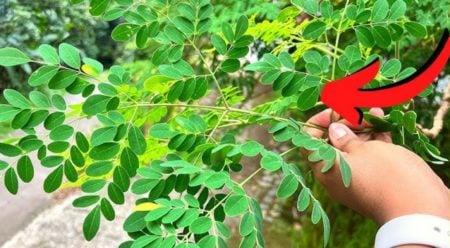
343, 138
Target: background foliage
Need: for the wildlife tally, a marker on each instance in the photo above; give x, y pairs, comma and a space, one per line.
171, 111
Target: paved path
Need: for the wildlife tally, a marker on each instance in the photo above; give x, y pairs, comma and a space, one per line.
62, 226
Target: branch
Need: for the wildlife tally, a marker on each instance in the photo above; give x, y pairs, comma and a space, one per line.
438, 122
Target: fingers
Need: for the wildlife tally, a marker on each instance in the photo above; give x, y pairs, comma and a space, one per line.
378, 112
343, 138
322, 119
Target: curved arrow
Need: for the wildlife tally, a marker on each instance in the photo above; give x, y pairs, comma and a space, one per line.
345, 95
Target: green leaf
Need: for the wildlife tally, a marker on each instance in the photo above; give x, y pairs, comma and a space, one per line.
314, 30
208, 241
121, 178
144, 241
173, 215
380, 10
54, 180
184, 25
308, 98
219, 44
247, 224
98, 7
59, 102
49, 54
157, 214
11, 182
54, 120
21, 119
70, 172
231, 65
200, 225
236, 205
137, 140
287, 187
241, 27
93, 185
124, 31
365, 36
86, 201
303, 200
25, 169
7, 112
174, 35
316, 214
107, 209
43, 75
381, 36
103, 135
9, 150
228, 32
188, 218
3, 165
70, 55
62, 80
105, 151
39, 99
16, 99
12, 56
95, 104
135, 222
416, 29
409, 121
286, 60
76, 156
391, 68
346, 172
91, 224
161, 131
271, 161
115, 194
251, 148
398, 9
61, 133
98, 169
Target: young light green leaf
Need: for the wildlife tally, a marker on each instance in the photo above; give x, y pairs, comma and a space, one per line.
12, 56
49, 54
16, 99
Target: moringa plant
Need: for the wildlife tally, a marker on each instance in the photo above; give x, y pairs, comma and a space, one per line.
169, 134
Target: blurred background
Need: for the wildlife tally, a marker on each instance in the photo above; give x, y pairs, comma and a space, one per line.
34, 219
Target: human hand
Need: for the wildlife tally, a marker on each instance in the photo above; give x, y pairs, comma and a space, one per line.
388, 181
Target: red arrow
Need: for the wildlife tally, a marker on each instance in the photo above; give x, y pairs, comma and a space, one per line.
345, 95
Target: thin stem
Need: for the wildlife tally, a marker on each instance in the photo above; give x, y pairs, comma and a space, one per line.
236, 110
216, 82
338, 36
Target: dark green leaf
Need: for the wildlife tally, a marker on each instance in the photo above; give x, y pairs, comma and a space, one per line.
9, 150
107, 210
54, 180
231, 65
25, 169
416, 29
86, 201
11, 182
91, 224
308, 98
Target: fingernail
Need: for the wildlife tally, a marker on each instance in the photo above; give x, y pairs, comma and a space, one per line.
337, 130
